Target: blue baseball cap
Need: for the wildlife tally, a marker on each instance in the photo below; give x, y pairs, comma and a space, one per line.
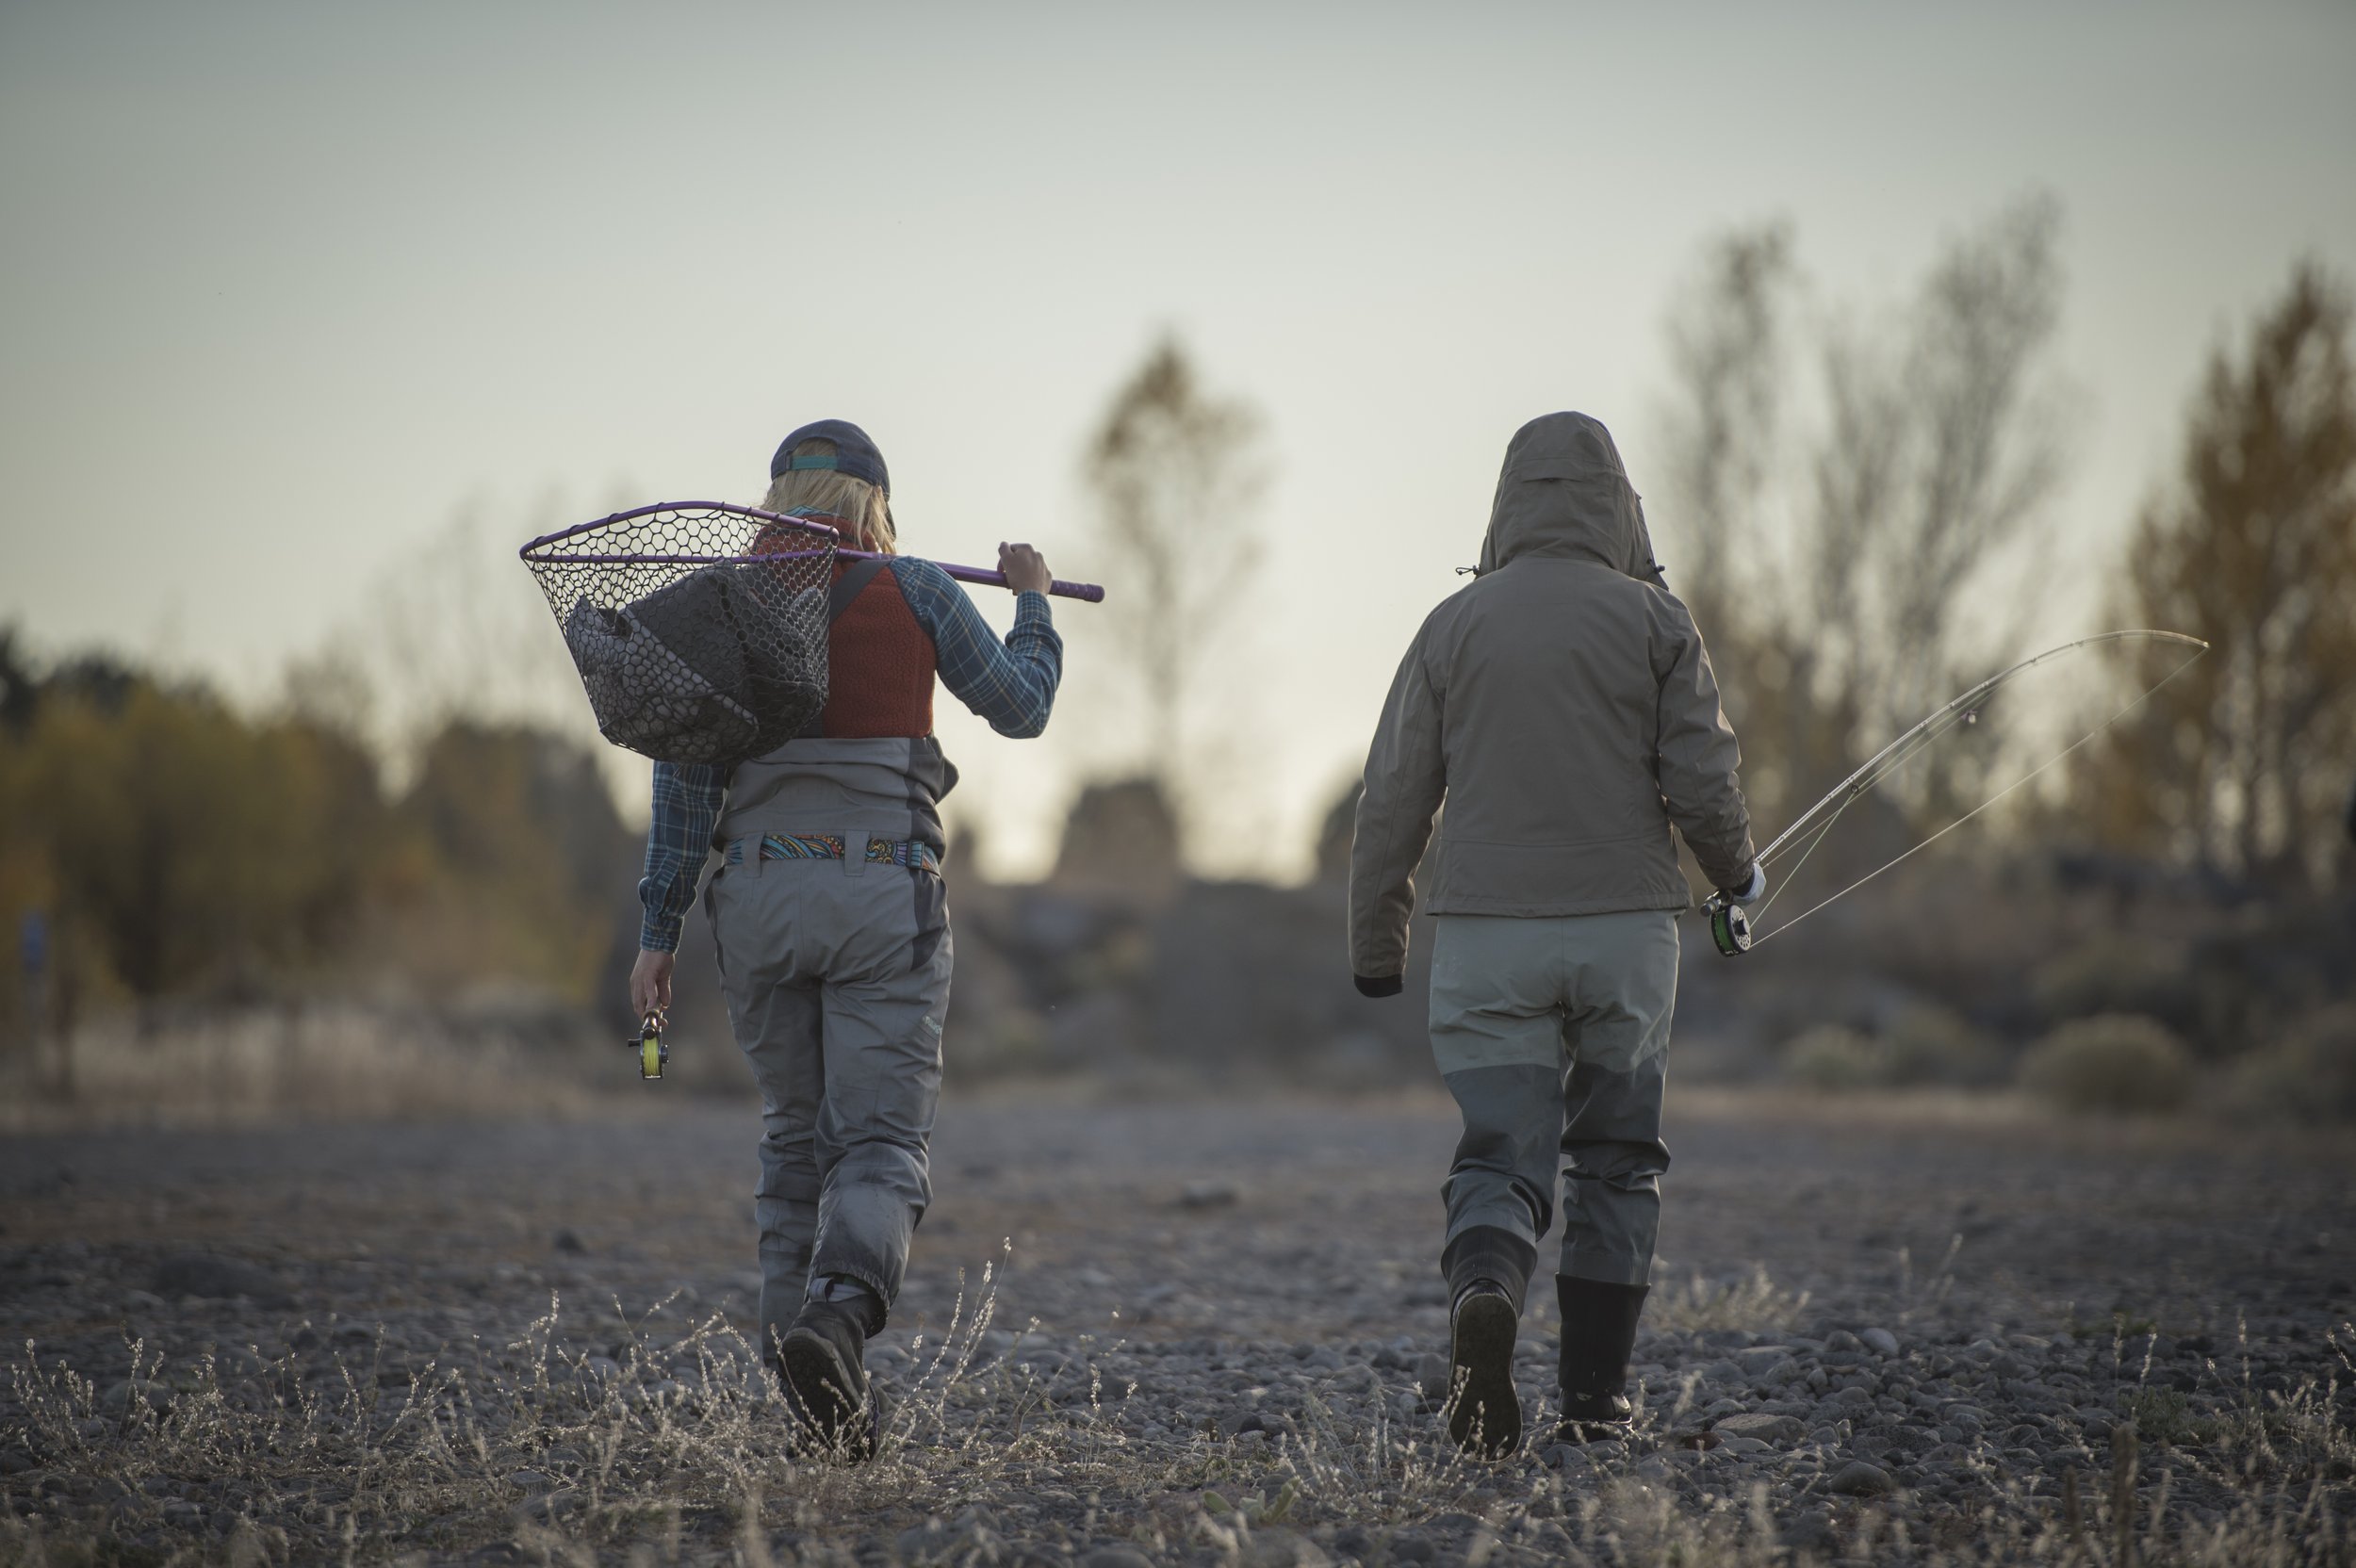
853, 453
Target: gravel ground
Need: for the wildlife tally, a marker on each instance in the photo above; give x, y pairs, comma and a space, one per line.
1194, 1332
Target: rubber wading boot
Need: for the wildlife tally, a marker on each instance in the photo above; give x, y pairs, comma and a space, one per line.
1598, 1335
823, 1364
1484, 1415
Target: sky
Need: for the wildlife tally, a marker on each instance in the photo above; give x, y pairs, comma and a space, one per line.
302, 299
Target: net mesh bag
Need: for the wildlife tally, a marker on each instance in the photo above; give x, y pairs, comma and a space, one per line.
699, 629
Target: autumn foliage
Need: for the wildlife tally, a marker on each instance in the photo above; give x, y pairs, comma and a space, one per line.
178, 847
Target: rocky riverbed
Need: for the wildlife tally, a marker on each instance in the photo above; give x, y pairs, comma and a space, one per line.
1189, 1332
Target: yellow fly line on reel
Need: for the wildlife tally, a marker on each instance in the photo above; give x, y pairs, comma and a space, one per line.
652, 1051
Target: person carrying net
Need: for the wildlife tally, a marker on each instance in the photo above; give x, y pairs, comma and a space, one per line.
1563, 707
829, 919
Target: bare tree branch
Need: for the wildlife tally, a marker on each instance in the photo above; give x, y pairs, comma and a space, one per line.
1178, 475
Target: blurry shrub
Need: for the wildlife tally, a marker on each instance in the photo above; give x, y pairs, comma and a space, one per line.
2111, 1062
2309, 1076
2113, 973
1930, 1044
1834, 1058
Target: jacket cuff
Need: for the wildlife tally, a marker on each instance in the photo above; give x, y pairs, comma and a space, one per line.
1031, 613
1384, 985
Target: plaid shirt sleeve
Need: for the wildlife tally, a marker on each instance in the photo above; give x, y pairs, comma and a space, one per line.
686, 806
1012, 683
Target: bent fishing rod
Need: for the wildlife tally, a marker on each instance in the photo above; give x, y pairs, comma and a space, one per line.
1730, 923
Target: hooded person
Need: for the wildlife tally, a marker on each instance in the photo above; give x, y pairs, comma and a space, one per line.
1562, 707
831, 923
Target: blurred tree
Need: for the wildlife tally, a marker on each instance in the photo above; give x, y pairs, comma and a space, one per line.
2242, 763
184, 849
509, 852
19, 687
99, 679
1832, 587
181, 848
1977, 434
1721, 425
1177, 475
449, 631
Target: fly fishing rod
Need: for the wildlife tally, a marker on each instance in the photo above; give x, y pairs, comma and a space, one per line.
1730, 923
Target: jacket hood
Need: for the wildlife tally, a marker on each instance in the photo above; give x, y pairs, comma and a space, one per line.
1564, 494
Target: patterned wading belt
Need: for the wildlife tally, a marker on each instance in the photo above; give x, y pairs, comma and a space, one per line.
910, 853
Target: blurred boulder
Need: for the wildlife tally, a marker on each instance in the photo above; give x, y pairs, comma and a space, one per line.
1120, 840
1256, 980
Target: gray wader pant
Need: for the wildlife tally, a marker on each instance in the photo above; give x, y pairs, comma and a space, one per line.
1553, 1035
836, 975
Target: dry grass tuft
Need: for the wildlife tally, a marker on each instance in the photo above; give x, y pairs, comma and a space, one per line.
672, 1450
1751, 1301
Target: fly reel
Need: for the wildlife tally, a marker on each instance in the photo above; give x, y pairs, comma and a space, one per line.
1729, 927
652, 1051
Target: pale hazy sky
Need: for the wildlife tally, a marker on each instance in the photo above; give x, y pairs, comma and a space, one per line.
289, 287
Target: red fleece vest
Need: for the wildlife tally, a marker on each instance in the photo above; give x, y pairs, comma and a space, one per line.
880, 678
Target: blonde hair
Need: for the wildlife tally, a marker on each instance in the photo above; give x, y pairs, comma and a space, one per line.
837, 494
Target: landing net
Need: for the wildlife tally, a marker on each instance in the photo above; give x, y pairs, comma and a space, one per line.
699, 629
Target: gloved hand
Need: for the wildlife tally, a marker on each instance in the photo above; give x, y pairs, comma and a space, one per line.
1747, 895
1383, 984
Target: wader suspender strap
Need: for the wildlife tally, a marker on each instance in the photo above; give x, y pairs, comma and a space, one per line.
849, 586
846, 588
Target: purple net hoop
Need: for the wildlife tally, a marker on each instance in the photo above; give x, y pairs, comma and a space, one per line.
698, 628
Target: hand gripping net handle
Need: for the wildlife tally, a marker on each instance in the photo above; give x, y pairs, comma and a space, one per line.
698, 628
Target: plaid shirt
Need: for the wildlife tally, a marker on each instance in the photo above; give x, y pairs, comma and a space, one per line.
1012, 684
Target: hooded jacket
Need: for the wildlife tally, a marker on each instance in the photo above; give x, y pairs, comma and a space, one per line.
1563, 707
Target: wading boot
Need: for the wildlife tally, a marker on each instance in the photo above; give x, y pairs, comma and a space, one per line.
1598, 1335
1484, 1415
823, 1364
